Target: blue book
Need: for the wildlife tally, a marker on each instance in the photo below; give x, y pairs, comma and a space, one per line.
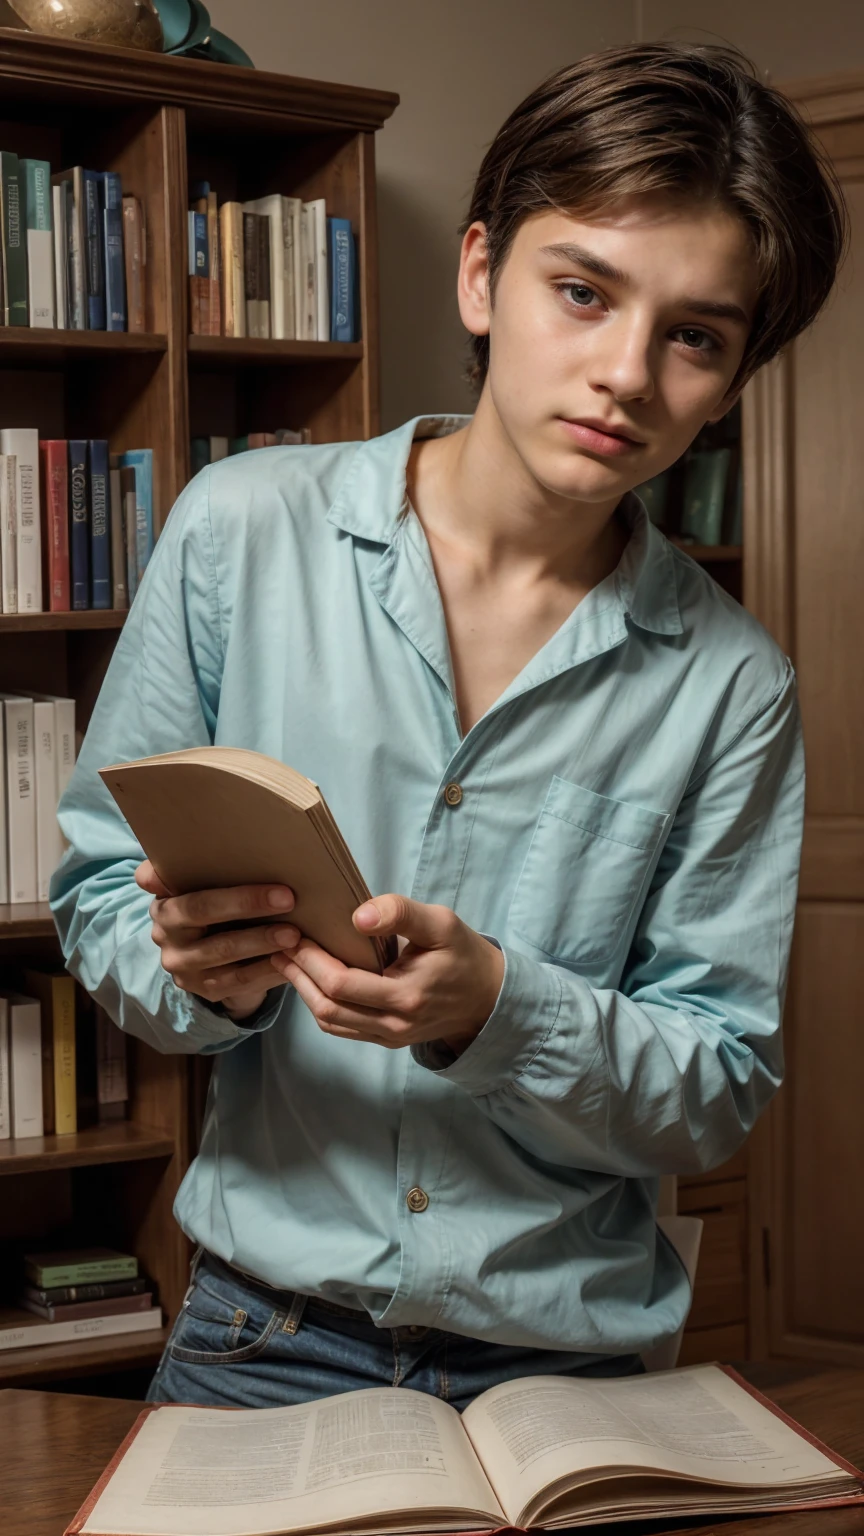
141, 460
79, 529
94, 265
112, 237
340, 241
100, 526
199, 259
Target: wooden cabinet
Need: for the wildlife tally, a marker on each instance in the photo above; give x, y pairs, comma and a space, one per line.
803, 573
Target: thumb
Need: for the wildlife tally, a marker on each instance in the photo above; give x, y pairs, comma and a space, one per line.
147, 878
431, 927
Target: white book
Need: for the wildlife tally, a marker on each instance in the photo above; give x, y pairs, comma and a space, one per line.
309, 331
292, 264
28, 1331
24, 443
40, 277
65, 746
25, 1064
61, 246
21, 797
5, 1107
9, 531
49, 842
322, 283
271, 206
218, 449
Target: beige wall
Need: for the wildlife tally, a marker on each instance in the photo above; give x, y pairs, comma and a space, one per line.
460, 66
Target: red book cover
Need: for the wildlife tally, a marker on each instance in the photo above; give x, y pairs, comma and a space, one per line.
54, 458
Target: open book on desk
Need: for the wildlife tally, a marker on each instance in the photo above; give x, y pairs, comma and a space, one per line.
222, 816
542, 1453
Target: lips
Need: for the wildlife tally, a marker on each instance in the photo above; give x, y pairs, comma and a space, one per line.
609, 430
601, 440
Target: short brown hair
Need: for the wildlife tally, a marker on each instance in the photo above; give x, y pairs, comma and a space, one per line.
690, 121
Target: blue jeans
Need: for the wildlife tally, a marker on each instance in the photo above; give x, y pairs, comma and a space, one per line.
237, 1342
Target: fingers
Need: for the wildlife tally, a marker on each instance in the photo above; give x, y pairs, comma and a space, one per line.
339, 982
221, 949
200, 909
428, 926
350, 1022
147, 878
234, 981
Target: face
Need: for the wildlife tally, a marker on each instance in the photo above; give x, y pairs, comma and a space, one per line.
637, 319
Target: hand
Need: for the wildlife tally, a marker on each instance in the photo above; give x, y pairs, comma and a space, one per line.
443, 986
211, 966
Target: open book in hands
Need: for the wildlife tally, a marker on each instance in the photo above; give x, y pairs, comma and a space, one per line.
545, 1452
212, 817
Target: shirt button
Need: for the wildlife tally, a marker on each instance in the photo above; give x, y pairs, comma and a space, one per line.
453, 794
417, 1199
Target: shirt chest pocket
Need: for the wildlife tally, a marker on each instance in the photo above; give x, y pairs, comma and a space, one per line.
584, 873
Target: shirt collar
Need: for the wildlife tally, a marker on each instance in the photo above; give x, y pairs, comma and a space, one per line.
372, 495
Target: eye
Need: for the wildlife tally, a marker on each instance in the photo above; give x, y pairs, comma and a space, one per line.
580, 289
690, 331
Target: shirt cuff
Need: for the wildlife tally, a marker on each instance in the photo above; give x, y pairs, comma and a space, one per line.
208, 1013
525, 1014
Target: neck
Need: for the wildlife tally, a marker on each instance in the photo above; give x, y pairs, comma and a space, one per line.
473, 491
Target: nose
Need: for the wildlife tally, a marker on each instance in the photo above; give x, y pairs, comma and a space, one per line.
623, 363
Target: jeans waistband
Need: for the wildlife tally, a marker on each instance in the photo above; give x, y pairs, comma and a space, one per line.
273, 1293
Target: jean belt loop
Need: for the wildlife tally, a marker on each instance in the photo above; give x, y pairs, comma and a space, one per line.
295, 1314
193, 1270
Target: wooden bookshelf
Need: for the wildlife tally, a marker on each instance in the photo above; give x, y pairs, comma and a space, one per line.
91, 618
84, 1357
123, 1142
159, 122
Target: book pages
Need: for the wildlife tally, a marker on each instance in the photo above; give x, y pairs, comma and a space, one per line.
541, 1436
374, 1459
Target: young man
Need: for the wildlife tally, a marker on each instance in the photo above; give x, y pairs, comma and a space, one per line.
570, 764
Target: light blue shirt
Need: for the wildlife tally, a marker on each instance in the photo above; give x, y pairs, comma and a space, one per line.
629, 832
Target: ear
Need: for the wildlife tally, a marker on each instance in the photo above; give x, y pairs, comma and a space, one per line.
472, 283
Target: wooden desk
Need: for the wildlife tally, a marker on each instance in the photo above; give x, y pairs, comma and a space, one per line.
53, 1446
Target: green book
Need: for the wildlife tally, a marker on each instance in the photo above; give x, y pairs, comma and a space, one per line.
79, 1266
704, 495
14, 241
36, 181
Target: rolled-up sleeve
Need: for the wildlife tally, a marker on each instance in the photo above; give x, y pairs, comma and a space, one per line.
667, 1072
160, 694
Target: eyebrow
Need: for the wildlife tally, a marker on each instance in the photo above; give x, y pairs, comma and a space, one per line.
581, 257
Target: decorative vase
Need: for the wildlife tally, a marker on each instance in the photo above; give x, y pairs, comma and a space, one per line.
125, 23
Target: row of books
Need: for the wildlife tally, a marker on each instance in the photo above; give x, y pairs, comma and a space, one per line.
76, 522
78, 1293
712, 504
62, 1059
209, 450
37, 751
271, 267
74, 248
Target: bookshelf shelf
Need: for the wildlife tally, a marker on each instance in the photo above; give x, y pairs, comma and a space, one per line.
213, 351
124, 1142
21, 346
54, 1362
26, 920
91, 618
707, 553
